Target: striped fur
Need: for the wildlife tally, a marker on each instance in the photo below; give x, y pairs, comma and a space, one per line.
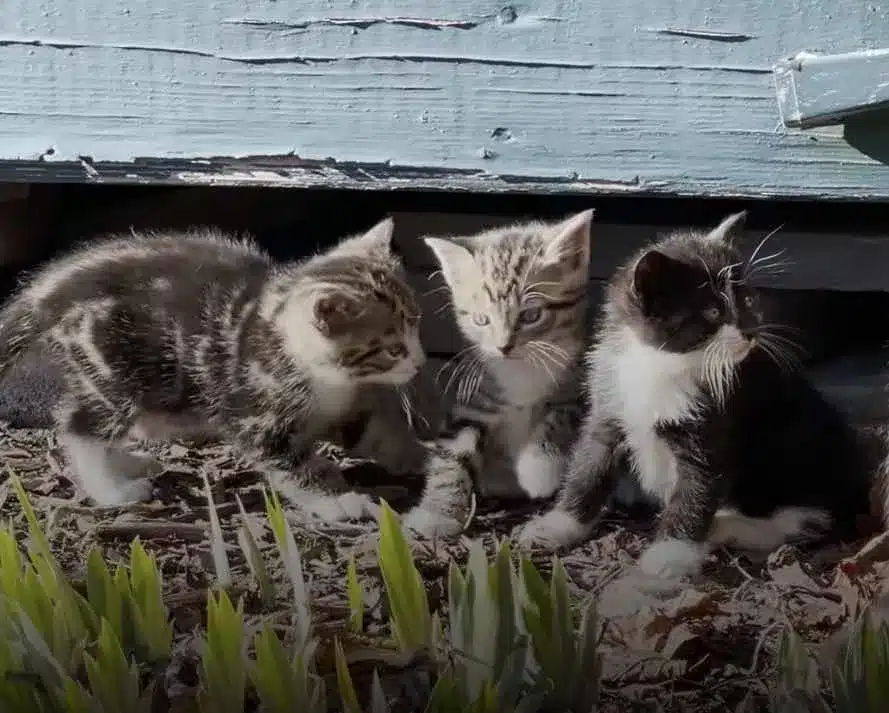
198, 334
519, 296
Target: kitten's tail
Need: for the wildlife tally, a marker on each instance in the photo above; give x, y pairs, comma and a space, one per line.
20, 328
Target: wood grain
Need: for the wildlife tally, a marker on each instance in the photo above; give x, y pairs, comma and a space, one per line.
581, 96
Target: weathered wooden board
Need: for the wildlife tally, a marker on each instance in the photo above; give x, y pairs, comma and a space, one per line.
825, 89
548, 95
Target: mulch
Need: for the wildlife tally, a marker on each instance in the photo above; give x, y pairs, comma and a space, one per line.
704, 645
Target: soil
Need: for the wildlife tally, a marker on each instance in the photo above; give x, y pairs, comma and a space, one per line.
705, 645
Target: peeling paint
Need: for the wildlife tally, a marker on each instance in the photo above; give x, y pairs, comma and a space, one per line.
507, 15
703, 34
361, 23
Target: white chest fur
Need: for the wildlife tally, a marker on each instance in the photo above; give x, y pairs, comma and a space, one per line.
645, 386
523, 383
333, 400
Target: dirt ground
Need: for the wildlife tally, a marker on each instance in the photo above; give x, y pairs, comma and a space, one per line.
702, 647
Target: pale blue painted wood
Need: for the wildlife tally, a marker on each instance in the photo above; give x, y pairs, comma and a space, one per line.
572, 95
820, 90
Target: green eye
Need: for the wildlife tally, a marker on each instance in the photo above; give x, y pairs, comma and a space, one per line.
531, 315
712, 313
481, 319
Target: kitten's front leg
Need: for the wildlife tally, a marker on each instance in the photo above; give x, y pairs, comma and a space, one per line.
541, 462
310, 482
592, 474
680, 545
451, 467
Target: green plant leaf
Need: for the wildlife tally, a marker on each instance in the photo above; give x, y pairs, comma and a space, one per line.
221, 565
113, 681
378, 702
39, 545
151, 618
344, 680
223, 663
253, 555
356, 597
408, 603
292, 560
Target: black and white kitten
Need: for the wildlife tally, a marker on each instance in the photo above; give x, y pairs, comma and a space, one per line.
689, 389
185, 334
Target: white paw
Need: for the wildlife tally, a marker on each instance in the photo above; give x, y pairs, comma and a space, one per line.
672, 559
538, 472
338, 508
553, 530
432, 523
123, 492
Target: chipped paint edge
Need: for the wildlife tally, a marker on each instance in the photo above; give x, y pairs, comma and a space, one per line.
292, 172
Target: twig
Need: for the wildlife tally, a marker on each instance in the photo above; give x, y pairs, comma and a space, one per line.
153, 530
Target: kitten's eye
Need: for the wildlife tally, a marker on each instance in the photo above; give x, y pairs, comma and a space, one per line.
396, 350
712, 313
481, 319
530, 315
749, 301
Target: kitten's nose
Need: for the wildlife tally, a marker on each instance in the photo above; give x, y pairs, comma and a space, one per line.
505, 349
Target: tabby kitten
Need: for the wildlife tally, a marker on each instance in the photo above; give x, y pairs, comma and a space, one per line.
519, 296
690, 390
198, 334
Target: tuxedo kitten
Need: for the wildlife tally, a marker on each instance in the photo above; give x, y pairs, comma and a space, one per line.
197, 334
519, 294
691, 391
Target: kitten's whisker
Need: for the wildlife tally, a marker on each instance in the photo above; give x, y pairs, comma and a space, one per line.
454, 358
728, 269
554, 353
764, 260
752, 259
436, 290
538, 359
408, 405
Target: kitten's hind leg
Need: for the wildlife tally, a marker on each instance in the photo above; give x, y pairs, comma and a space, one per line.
792, 525
106, 473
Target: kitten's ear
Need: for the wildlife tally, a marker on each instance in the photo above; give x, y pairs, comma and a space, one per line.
653, 273
334, 313
569, 244
375, 243
452, 257
729, 228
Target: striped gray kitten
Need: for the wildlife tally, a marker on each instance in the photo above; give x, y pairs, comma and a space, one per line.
197, 334
519, 296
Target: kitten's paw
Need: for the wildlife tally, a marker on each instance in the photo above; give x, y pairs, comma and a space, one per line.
538, 472
553, 530
672, 559
339, 508
432, 523
128, 492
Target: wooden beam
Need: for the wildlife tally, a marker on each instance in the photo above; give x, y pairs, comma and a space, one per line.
824, 89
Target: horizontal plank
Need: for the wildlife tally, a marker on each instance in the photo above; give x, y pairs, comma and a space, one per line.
819, 90
581, 96
814, 261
